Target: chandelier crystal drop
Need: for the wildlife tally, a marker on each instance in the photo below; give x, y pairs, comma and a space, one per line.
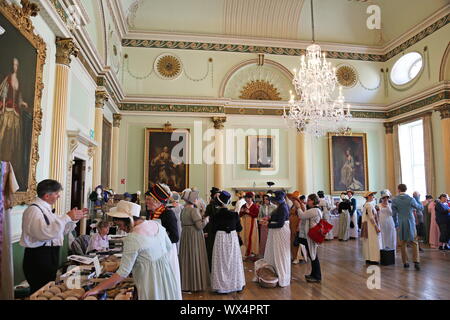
316, 112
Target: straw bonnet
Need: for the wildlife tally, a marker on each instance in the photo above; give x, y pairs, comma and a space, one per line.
385, 193
294, 195
125, 209
369, 193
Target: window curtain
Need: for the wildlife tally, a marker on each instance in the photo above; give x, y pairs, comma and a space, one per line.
430, 176
397, 162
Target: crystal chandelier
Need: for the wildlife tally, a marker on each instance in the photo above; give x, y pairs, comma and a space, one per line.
315, 82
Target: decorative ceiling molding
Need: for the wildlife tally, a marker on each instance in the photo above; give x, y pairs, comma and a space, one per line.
203, 46
437, 16
89, 55
243, 18
299, 49
119, 17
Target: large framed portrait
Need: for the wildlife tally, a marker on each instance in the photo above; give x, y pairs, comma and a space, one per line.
348, 162
166, 158
21, 69
260, 153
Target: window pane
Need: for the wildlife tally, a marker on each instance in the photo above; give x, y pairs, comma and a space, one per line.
412, 156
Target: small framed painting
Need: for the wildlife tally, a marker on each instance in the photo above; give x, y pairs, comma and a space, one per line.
260, 151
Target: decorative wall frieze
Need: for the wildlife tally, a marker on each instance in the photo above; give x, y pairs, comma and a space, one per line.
170, 108
435, 98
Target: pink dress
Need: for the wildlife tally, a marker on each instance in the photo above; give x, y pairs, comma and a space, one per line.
434, 228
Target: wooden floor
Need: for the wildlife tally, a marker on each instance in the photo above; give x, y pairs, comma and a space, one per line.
344, 277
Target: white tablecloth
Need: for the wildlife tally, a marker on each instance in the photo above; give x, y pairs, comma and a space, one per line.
334, 220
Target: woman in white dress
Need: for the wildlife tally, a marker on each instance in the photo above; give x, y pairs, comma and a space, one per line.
387, 225
278, 247
227, 270
370, 231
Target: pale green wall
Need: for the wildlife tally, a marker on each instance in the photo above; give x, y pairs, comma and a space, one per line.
131, 151
95, 28
131, 154
436, 43
82, 99
141, 60
318, 157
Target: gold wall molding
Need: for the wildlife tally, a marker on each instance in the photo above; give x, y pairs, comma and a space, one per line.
389, 126
65, 48
117, 117
444, 110
101, 97
219, 122
20, 18
260, 90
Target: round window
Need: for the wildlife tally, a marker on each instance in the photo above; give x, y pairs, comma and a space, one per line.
407, 68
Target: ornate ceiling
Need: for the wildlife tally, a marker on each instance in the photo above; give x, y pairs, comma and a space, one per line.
337, 21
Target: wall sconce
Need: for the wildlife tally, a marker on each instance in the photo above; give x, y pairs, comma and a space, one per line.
2, 31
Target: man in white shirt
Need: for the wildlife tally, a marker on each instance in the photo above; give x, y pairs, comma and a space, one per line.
43, 234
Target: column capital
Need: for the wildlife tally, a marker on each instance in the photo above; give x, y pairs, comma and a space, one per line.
218, 122
444, 110
65, 48
389, 126
91, 151
117, 117
101, 96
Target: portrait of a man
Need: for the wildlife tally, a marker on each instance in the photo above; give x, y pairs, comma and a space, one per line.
166, 157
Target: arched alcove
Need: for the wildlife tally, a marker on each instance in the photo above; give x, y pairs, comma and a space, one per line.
252, 81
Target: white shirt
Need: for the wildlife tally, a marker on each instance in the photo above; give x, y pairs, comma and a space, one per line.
36, 232
239, 204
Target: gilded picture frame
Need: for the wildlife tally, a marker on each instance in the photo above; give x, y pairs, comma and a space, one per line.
19, 29
348, 163
257, 158
159, 165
